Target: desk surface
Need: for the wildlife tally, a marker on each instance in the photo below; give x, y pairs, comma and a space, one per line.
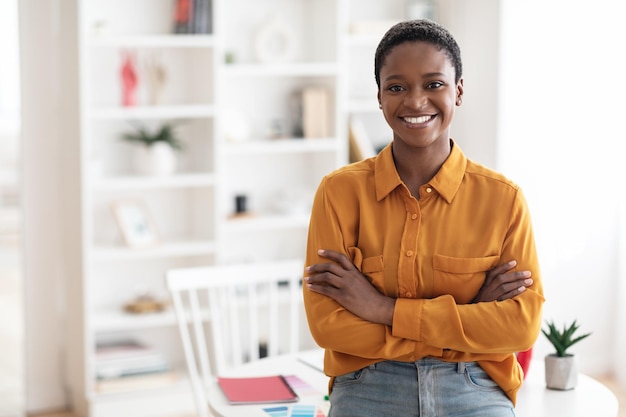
589, 398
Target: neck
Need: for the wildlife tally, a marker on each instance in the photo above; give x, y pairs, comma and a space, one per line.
417, 166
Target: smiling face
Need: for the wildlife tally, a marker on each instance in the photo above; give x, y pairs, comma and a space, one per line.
418, 94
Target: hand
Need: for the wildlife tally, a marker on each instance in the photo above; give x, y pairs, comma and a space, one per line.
344, 283
501, 285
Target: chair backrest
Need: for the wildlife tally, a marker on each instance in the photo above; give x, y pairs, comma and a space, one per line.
247, 310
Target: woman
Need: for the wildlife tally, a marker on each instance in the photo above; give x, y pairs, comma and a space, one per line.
419, 260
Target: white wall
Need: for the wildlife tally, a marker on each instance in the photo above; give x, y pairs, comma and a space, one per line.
50, 196
560, 137
475, 24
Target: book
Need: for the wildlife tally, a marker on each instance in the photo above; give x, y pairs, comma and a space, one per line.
257, 390
142, 381
315, 112
183, 14
202, 16
361, 146
125, 357
193, 16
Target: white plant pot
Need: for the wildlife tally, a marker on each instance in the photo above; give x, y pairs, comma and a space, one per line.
561, 372
158, 159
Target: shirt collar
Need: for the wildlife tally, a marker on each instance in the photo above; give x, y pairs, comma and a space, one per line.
446, 182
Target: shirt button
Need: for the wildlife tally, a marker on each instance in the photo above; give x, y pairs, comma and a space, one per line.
429, 190
408, 295
409, 253
414, 216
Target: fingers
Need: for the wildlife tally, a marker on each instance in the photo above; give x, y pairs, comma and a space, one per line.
341, 263
501, 269
502, 284
501, 275
512, 294
340, 258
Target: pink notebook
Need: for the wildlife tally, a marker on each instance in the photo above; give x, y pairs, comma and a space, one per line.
257, 390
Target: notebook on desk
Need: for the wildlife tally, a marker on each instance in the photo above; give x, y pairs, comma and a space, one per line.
257, 390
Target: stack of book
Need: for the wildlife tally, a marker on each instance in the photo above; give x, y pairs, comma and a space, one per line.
127, 364
193, 16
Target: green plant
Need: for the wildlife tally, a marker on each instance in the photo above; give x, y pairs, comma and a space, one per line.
143, 136
562, 339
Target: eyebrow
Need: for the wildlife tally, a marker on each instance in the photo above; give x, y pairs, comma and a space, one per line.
427, 75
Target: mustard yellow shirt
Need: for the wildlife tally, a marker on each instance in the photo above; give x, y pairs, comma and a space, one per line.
432, 255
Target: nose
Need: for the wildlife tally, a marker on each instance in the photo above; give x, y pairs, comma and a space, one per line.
415, 98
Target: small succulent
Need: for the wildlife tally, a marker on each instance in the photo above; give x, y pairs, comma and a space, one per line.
562, 339
143, 136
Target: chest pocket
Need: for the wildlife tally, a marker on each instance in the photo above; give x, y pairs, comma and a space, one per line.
372, 267
460, 277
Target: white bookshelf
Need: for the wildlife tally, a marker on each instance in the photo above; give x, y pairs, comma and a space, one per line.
192, 209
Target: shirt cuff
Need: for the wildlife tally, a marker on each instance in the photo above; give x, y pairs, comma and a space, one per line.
407, 318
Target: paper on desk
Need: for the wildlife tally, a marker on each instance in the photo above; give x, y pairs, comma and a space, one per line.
297, 410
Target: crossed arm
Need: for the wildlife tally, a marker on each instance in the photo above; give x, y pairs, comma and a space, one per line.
340, 280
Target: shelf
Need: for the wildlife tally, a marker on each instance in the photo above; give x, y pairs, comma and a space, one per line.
282, 146
302, 69
146, 182
107, 321
153, 41
267, 222
188, 111
169, 249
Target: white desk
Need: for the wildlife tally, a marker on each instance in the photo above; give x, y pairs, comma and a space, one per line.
589, 398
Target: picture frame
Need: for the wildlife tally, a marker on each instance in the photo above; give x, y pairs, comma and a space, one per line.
135, 223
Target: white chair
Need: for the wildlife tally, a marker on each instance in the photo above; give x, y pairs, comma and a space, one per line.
243, 307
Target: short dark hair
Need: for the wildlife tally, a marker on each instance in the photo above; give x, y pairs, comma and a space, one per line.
423, 30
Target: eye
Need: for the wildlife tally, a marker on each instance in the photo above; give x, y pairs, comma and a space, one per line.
395, 88
435, 84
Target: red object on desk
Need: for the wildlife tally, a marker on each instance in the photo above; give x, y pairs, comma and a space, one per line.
257, 390
524, 360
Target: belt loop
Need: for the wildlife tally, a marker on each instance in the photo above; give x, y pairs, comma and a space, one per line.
460, 367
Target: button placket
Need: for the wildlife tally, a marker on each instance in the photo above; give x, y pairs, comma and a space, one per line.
408, 245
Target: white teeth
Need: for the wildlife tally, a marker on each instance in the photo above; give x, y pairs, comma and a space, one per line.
417, 120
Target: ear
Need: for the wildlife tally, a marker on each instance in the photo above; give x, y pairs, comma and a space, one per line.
380, 104
459, 92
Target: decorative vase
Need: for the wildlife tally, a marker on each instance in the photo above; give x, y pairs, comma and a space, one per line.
561, 372
157, 159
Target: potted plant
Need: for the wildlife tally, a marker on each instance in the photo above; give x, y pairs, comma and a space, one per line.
561, 367
156, 155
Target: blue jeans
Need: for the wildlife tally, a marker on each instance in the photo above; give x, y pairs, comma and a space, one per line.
426, 388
